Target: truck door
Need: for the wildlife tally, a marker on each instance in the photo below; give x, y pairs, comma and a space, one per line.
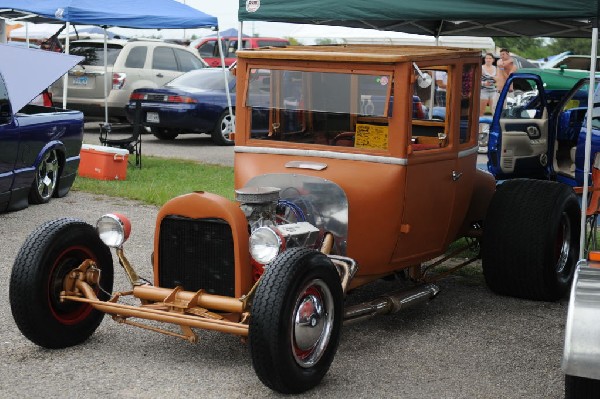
519, 144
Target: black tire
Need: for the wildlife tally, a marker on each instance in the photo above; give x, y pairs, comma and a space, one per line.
223, 129
298, 276
48, 254
530, 242
581, 388
45, 180
162, 133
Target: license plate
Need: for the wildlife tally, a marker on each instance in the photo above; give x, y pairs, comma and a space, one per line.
80, 81
152, 117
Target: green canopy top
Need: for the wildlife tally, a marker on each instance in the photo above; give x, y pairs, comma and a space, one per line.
567, 18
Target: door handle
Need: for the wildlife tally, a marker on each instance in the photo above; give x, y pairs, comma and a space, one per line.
159, 75
456, 175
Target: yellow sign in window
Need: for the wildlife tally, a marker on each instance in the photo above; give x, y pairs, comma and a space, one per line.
371, 136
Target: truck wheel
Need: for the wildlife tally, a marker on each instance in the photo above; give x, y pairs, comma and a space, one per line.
49, 253
296, 321
162, 133
580, 387
223, 129
530, 240
46, 177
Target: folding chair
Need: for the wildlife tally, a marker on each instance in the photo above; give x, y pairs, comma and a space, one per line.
593, 208
132, 144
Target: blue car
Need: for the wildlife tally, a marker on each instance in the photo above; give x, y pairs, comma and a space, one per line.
195, 102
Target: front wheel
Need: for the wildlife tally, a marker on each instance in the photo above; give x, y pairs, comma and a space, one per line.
530, 240
46, 177
221, 134
296, 321
49, 253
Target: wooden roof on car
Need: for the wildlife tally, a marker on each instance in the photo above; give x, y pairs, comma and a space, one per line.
358, 53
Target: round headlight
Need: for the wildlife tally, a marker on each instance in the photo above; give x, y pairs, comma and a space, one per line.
113, 229
264, 245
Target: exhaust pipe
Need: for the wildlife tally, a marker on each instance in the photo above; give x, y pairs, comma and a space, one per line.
390, 303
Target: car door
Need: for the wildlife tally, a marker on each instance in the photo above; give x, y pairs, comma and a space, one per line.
519, 144
164, 65
9, 144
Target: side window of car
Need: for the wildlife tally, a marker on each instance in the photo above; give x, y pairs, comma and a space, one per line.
164, 58
4, 103
523, 100
136, 57
187, 61
207, 49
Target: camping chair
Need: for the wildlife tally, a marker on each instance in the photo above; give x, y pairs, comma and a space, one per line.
593, 208
132, 144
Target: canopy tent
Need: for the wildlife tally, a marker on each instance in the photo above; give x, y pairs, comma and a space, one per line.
567, 18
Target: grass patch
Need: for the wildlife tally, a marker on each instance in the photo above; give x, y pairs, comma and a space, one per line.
161, 179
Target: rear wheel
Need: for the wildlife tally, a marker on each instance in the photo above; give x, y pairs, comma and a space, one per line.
46, 178
49, 253
530, 243
162, 133
221, 134
296, 321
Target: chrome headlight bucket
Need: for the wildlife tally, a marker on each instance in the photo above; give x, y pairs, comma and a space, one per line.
265, 245
113, 229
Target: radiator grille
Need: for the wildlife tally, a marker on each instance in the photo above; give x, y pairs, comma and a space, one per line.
197, 254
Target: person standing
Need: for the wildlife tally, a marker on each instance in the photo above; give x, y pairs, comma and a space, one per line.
506, 66
488, 85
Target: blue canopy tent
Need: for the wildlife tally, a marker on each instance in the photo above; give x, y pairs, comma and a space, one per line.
140, 14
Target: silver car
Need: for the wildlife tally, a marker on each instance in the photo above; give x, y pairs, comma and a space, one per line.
132, 64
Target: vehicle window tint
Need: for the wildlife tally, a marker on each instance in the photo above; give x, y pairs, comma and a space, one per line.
5, 110
136, 57
429, 108
523, 100
187, 61
208, 79
272, 43
323, 108
208, 49
164, 58
466, 102
94, 53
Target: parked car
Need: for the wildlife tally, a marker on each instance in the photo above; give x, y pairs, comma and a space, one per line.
131, 64
572, 61
39, 145
195, 102
208, 50
338, 194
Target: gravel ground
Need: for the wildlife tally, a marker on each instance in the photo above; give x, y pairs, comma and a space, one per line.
467, 343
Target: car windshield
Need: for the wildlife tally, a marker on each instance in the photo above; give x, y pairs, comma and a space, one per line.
202, 79
94, 53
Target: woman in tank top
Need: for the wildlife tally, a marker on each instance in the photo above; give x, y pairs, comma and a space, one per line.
488, 85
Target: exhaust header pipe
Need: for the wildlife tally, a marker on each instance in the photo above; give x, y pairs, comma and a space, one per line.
390, 303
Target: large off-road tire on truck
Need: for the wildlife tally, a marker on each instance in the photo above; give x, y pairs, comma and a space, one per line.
531, 239
581, 388
49, 253
296, 319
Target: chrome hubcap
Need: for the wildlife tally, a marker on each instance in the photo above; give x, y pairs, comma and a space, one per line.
312, 323
227, 126
564, 244
47, 174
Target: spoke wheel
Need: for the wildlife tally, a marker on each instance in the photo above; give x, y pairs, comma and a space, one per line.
46, 177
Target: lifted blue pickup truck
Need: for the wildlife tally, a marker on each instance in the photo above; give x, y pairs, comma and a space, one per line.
538, 129
39, 146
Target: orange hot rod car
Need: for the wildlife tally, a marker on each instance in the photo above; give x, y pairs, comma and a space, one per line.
347, 186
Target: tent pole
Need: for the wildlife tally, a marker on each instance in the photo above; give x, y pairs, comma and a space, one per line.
432, 88
27, 33
588, 139
240, 34
223, 68
105, 76
66, 75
